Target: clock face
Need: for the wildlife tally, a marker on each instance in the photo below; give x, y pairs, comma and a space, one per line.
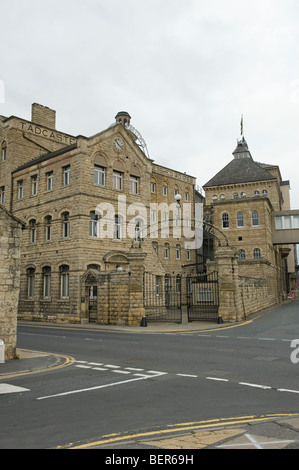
118, 144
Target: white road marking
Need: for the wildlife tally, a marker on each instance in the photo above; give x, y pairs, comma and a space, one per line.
217, 379
286, 390
187, 375
265, 387
7, 388
97, 387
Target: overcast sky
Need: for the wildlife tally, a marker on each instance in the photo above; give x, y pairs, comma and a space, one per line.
185, 71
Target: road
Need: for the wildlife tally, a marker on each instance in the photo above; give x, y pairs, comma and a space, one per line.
127, 383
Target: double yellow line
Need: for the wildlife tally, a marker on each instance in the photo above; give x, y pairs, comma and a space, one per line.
182, 427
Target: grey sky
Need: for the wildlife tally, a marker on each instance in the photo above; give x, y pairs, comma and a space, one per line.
184, 70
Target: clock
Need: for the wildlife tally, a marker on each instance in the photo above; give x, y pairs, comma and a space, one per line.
118, 144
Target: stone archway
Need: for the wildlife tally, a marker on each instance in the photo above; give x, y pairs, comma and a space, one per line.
90, 282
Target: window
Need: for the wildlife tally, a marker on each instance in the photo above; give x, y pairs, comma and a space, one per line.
155, 247
256, 193
65, 225
32, 231
256, 253
67, 175
215, 197
166, 250
2, 194
225, 220
64, 281
134, 184
153, 187
178, 252
255, 218
48, 222
240, 219
243, 195
265, 192
178, 284
20, 189
3, 151
30, 282
49, 176
118, 180
164, 190
242, 254
46, 282
117, 234
99, 175
186, 196
222, 197
34, 185
176, 191
93, 224
188, 253
138, 230
235, 196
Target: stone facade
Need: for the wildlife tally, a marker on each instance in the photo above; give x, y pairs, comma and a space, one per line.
240, 201
86, 202
10, 255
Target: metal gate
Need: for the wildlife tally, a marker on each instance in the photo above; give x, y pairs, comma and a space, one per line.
93, 304
203, 297
162, 298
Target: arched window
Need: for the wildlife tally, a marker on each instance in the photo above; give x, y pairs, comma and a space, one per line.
240, 219
256, 193
235, 196
48, 223
64, 281
178, 252
30, 282
166, 250
242, 254
155, 247
93, 224
65, 225
138, 230
3, 151
225, 220
256, 253
265, 192
243, 195
32, 231
46, 282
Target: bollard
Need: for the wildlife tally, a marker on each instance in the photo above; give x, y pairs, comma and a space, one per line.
2, 352
143, 322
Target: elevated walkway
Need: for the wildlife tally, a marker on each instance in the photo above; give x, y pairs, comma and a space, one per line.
286, 227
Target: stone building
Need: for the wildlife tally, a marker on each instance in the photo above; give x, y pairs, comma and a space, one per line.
241, 200
10, 255
88, 203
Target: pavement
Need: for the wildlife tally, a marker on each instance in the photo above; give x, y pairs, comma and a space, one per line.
277, 431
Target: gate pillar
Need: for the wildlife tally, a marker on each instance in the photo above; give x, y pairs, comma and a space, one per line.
226, 261
136, 309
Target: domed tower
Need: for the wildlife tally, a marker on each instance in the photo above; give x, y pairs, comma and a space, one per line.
123, 118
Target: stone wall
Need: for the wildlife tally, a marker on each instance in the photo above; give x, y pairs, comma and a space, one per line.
10, 248
245, 287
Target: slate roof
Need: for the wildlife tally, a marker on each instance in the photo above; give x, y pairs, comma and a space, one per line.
242, 169
45, 157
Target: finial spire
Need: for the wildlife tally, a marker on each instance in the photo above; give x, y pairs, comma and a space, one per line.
242, 124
